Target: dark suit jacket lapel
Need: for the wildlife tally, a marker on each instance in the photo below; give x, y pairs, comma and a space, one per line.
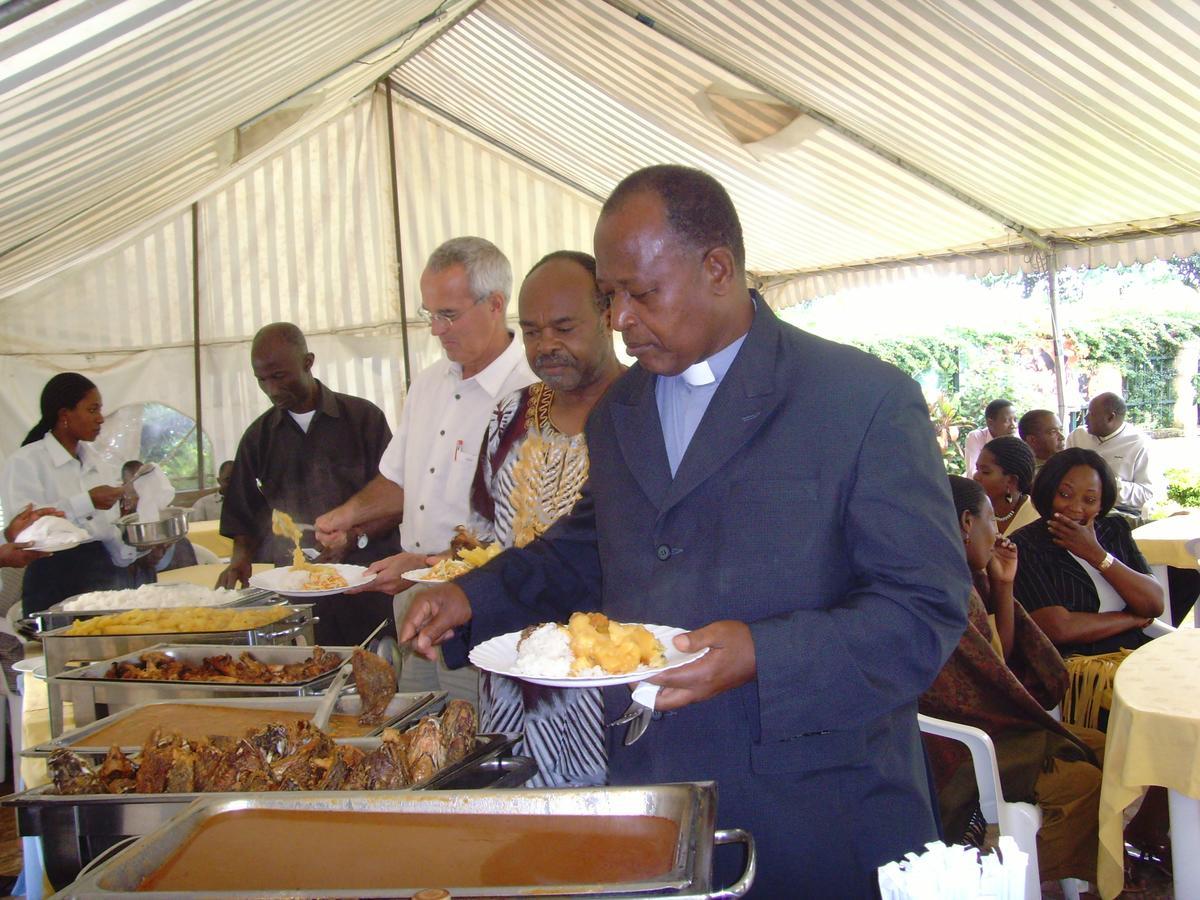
639, 432
741, 405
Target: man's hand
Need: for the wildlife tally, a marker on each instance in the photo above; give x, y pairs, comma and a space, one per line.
27, 517
333, 527
18, 556
729, 663
104, 496
390, 571
237, 571
432, 617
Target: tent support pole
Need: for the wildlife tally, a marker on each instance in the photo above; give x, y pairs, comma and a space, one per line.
391, 134
706, 53
1060, 356
196, 344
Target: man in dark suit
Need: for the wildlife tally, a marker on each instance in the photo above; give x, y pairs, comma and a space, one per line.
782, 497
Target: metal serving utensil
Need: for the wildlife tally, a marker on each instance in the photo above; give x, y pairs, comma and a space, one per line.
325, 711
639, 714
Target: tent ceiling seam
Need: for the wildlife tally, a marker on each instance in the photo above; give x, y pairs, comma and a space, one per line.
1025, 231
474, 131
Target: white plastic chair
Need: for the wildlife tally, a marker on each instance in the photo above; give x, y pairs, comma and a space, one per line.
1020, 821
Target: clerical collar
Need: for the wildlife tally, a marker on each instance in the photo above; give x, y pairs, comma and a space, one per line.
698, 374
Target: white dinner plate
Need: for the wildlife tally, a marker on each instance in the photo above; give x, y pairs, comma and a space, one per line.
499, 655
29, 664
276, 580
421, 576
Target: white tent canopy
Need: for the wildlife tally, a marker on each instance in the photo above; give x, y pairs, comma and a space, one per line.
177, 174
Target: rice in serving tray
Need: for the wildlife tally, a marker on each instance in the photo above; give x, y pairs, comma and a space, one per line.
151, 596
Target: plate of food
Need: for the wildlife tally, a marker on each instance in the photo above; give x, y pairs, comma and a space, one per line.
312, 579
589, 651
465, 559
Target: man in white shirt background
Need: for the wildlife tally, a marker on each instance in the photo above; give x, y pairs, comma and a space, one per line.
1126, 449
427, 470
1001, 420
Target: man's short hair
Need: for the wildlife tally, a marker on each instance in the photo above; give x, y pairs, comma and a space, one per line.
227, 464
1113, 403
488, 270
995, 408
699, 210
1029, 421
286, 332
583, 260
130, 466
1045, 486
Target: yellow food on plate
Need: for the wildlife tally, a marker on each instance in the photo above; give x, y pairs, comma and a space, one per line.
180, 619
468, 558
617, 648
320, 577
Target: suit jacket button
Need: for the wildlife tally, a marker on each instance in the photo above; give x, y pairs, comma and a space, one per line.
663, 552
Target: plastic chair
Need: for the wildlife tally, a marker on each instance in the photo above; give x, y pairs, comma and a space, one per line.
1020, 821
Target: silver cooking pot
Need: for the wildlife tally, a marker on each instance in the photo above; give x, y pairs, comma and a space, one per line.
171, 527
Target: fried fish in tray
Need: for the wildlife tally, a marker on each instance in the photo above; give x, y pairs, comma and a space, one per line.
296, 757
224, 669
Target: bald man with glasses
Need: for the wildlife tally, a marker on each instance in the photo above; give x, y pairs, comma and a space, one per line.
427, 469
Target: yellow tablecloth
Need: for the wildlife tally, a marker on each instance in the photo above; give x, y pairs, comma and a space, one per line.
1153, 738
1173, 541
207, 534
205, 575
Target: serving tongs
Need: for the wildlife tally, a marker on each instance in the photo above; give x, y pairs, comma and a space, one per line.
329, 702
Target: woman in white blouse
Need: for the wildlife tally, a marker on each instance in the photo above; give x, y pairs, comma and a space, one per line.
57, 466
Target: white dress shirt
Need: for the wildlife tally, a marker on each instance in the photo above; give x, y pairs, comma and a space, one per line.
976, 441
435, 449
1127, 452
45, 474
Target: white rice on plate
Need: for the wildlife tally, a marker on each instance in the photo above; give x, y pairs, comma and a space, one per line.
545, 652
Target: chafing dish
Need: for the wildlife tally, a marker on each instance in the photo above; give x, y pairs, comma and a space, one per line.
401, 709
56, 616
95, 695
167, 530
77, 828
63, 651
690, 807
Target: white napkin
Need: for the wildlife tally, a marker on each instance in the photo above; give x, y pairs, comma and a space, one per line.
155, 492
957, 873
645, 693
51, 533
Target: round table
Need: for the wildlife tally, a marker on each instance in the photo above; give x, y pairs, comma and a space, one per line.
208, 534
1173, 541
1153, 736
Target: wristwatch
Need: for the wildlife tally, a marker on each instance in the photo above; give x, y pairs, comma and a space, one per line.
1106, 563
362, 540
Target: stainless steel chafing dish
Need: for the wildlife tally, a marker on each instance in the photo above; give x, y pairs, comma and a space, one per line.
400, 709
690, 806
76, 829
65, 650
57, 616
94, 695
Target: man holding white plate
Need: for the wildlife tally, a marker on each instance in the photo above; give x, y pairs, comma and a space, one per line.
782, 498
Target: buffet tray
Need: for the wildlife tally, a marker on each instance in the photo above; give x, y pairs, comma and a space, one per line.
400, 709
56, 617
77, 828
64, 651
692, 807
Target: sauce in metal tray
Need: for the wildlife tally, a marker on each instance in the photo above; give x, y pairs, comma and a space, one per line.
193, 720
304, 850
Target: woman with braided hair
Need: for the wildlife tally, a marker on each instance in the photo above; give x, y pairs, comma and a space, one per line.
1005, 470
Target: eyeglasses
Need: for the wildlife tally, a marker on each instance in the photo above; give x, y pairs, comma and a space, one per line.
446, 318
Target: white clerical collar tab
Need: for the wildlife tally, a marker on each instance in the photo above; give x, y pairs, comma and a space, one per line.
699, 375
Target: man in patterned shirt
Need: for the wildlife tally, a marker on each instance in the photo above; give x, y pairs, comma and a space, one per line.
532, 466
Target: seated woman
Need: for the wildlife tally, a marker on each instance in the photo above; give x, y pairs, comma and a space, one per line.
1076, 556
1005, 469
1003, 681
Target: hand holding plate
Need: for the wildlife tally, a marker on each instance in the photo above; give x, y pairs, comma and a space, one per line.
730, 663
432, 617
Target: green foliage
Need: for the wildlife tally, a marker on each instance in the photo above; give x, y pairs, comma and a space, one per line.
921, 356
169, 439
1183, 487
